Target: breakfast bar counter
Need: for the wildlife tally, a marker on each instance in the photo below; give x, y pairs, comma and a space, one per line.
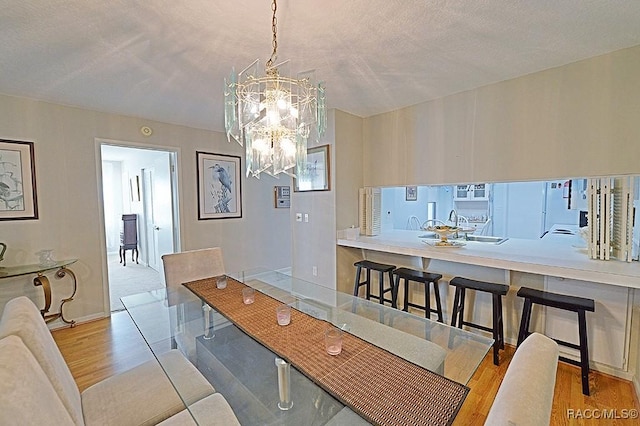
556, 257
555, 263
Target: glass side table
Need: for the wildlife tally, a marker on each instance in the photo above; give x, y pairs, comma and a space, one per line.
62, 270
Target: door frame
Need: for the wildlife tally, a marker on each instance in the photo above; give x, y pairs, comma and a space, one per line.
174, 156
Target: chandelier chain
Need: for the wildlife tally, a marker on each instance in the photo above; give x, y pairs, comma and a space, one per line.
274, 29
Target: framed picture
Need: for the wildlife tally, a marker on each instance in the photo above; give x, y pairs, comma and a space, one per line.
412, 193
316, 174
17, 181
219, 186
134, 188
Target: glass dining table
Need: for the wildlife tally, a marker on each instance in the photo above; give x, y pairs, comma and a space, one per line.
246, 372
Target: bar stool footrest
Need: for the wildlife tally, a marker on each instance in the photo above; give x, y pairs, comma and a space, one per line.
478, 326
570, 361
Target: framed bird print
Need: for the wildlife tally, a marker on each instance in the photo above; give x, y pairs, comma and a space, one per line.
219, 186
17, 181
315, 174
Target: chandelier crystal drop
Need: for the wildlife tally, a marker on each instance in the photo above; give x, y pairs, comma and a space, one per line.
274, 116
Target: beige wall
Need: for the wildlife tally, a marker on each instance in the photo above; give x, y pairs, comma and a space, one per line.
349, 175
69, 199
349, 168
314, 243
577, 120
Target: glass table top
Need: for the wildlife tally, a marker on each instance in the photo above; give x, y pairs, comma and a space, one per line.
245, 372
17, 270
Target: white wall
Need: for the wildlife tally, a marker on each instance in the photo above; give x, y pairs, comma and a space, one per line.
69, 198
396, 210
517, 209
112, 194
557, 211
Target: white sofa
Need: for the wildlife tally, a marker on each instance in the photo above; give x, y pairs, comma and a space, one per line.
525, 396
36, 386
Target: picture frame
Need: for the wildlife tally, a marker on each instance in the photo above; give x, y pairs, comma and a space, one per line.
316, 175
18, 195
219, 186
134, 188
411, 193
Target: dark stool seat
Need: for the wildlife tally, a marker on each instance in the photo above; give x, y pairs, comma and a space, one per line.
382, 269
497, 326
425, 278
580, 305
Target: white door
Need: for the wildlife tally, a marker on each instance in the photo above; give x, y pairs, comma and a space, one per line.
163, 205
151, 243
158, 199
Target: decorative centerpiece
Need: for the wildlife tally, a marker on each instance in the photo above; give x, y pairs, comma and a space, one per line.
444, 231
46, 257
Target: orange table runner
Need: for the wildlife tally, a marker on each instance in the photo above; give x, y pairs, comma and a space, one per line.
382, 387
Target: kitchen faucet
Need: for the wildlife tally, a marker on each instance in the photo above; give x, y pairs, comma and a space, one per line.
453, 214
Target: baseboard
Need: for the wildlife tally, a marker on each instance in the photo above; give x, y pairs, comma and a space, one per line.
58, 324
285, 271
597, 366
611, 371
594, 366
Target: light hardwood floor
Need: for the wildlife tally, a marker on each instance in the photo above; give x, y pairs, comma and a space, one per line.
99, 349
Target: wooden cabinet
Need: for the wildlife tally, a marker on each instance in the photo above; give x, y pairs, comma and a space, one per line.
129, 238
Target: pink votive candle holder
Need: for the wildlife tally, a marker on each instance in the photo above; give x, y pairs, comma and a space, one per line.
248, 295
283, 314
221, 282
333, 341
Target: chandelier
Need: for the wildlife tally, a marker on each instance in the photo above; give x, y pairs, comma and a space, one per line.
274, 115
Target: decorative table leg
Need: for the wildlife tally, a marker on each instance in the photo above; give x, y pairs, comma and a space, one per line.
42, 280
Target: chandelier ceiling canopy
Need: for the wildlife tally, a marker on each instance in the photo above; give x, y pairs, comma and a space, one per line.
274, 116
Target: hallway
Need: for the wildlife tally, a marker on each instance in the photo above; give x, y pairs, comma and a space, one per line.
131, 279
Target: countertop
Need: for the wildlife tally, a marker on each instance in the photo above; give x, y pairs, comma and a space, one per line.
554, 255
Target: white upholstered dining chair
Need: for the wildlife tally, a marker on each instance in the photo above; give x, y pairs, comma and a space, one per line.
183, 267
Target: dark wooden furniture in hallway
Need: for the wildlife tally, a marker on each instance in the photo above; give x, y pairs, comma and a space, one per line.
129, 238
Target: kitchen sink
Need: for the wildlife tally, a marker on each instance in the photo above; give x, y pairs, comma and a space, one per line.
485, 239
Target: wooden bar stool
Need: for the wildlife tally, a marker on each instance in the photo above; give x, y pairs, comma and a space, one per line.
497, 291
382, 269
426, 279
569, 303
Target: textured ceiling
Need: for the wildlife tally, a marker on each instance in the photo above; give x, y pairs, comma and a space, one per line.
166, 60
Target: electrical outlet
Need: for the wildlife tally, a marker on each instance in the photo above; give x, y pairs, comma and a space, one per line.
314, 271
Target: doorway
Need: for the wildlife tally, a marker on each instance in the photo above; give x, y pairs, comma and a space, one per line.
138, 182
